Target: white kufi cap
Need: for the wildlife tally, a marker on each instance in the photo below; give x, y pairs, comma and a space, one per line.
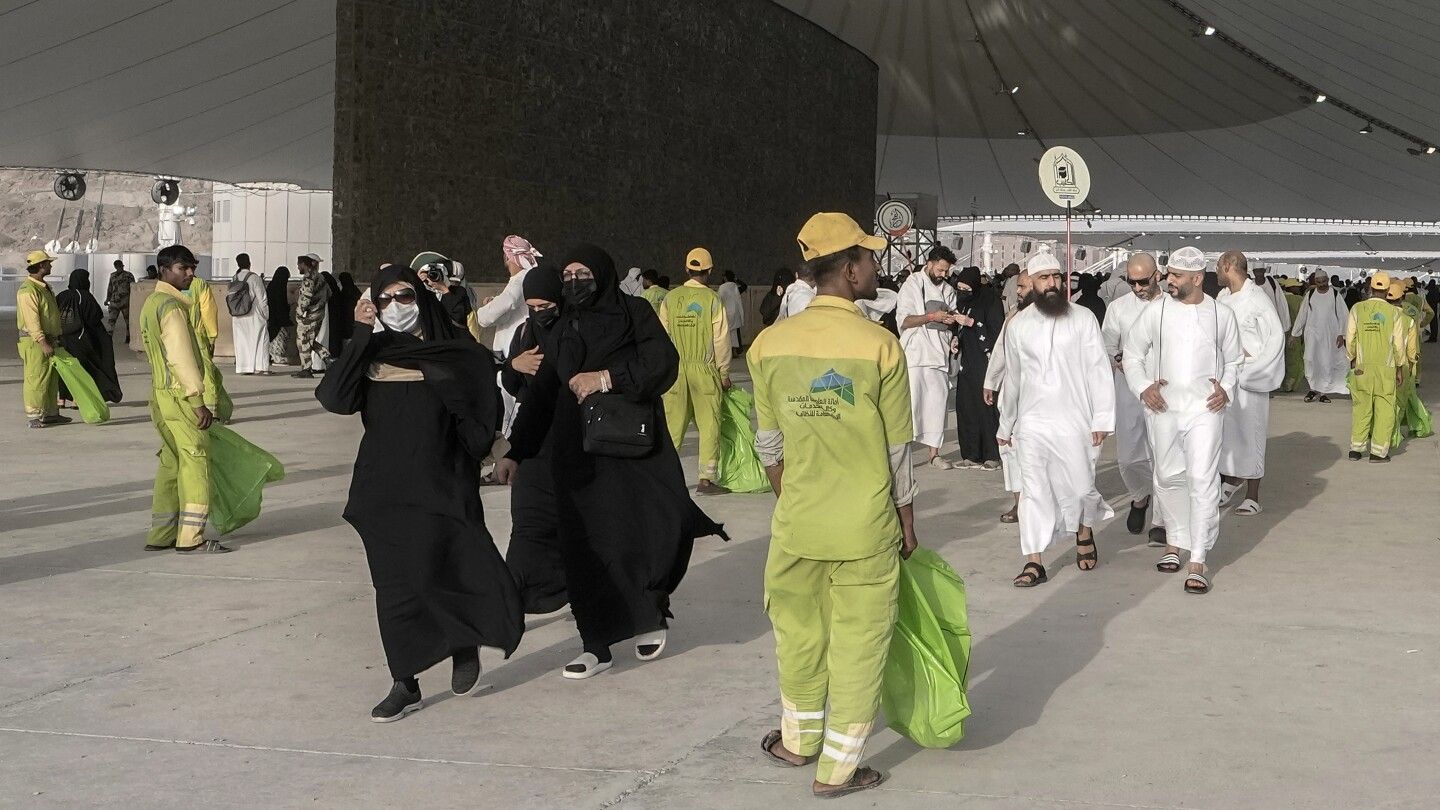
1188, 259
1043, 262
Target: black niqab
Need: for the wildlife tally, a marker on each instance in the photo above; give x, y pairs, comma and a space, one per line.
589, 334
277, 297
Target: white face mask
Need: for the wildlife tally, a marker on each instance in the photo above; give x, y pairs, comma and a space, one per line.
400, 317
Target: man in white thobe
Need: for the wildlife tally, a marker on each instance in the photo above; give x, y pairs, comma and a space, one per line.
1262, 367
925, 315
507, 311
729, 293
1271, 288
252, 338
1181, 358
798, 295
994, 381
1321, 322
1132, 446
1057, 405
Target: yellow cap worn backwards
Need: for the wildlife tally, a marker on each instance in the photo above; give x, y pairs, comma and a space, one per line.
1396, 291
699, 259
1380, 281
35, 257
827, 233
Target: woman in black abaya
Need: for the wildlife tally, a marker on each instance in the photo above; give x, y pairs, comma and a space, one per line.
534, 554
85, 337
279, 322
428, 401
627, 525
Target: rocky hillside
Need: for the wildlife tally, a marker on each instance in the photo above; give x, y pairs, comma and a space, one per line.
31, 214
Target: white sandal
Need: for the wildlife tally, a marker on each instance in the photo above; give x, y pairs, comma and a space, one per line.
1227, 492
1249, 507
940, 463
592, 667
655, 639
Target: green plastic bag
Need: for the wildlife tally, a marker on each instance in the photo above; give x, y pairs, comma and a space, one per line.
239, 472
82, 388
923, 692
740, 468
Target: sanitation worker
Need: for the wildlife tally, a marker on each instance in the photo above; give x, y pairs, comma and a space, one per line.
694, 317
1375, 344
181, 504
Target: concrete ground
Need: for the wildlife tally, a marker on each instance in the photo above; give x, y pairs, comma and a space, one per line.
1306, 679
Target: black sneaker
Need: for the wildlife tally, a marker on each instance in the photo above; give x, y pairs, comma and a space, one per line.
303, 375
1135, 521
57, 419
1356, 455
206, 547
400, 702
1374, 459
1157, 537
465, 672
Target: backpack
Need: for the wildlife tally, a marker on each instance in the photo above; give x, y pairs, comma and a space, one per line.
70, 323
238, 298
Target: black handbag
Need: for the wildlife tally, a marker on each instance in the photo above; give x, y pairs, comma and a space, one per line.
617, 427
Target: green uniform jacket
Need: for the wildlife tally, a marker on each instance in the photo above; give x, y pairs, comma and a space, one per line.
694, 317
175, 365
36, 312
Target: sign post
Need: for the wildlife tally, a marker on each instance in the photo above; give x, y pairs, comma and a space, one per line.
1065, 179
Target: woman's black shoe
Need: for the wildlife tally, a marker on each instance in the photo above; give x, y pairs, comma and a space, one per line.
465, 674
400, 702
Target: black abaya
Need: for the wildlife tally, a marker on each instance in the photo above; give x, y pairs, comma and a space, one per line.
440, 583
627, 525
976, 422
89, 343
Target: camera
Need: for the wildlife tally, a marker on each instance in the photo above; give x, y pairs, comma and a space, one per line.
434, 271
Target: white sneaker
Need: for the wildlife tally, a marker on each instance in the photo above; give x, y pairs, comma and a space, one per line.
940, 463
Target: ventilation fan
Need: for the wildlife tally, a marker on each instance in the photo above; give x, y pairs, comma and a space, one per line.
165, 192
69, 185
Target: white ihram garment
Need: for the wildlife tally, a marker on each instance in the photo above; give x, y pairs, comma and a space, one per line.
1186, 345
927, 353
1132, 445
505, 312
797, 297
729, 293
1057, 391
1262, 367
1271, 290
252, 338
1321, 320
994, 379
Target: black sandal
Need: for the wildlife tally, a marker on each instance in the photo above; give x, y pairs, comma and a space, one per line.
1310, 397
856, 783
1012, 516
768, 743
1325, 398
1091, 556
1031, 575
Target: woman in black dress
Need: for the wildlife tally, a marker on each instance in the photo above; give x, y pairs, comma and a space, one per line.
279, 322
430, 407
534, 553
84, 336
627, 525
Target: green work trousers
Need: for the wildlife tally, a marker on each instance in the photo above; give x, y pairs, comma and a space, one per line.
1294, 365
696, 395
1372, 409
833, 621
41, 386
181, 504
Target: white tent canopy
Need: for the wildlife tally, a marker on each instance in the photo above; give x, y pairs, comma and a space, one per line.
1170, 121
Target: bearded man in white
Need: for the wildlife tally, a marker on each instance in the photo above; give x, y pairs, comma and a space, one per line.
925, 313
1321, 322
1182, 358
1057, 404
1247, 422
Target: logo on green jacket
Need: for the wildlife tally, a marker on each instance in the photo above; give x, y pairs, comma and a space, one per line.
843, 386
695, 308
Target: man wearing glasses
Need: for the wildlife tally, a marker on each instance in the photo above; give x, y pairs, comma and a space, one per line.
1132, 449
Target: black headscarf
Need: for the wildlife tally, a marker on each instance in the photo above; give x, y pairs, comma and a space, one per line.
969, 276
460, 371
277, 295
542, 282
587, 335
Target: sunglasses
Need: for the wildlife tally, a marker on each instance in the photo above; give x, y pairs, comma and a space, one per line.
401, 296
1140, 282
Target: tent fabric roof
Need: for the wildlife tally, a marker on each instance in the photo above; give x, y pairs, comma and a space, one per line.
214, 89
1169, 122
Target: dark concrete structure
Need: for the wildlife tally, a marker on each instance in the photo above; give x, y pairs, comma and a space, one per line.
645, 126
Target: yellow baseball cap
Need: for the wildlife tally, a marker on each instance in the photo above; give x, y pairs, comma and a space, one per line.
35, 257
1396, 291
699, 259
1380, 281
827, 233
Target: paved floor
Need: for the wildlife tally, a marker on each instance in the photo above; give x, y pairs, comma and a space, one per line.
1307, 679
